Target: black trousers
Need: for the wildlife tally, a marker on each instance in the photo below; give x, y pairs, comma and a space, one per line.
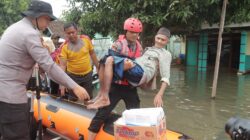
54, 88
84, 81
117, 92
14, 120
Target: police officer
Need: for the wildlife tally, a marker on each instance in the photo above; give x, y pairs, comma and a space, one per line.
20, 49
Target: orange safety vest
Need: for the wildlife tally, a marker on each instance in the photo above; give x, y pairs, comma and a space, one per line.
128, 52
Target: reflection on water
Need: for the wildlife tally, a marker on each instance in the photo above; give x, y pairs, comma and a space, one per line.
189, 108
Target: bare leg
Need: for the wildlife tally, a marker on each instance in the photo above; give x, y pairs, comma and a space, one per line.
91, 135
103, 99
101, 81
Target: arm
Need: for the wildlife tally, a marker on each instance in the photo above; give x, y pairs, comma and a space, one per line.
158, 97
63, 57
63, 67
94, 58
92, 53
165, 59
42, 57
63, 64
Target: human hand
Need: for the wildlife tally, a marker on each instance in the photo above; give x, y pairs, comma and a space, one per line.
81, 93
62, 90
36, 66
41, 71
128, 64
158, 101
45, 45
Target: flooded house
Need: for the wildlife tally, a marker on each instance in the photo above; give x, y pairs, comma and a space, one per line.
201, 47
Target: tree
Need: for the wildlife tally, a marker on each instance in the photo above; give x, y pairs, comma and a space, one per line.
181, 16
10, 11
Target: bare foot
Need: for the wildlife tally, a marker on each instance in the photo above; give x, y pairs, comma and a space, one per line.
93, 100
101, 102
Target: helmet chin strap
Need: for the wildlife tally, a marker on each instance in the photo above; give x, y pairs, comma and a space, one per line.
37, 26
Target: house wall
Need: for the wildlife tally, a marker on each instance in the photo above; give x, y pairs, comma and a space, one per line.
248, 52
247, 62
248, 43
244, 65
101, 45
197, 52
176, 46
183, 45
192, 52
202, 56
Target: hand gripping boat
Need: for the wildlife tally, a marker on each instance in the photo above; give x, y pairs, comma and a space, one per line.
71, 120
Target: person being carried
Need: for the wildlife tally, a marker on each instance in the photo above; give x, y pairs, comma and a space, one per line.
139, 72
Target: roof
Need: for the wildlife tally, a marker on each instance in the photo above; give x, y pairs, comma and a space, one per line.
56, 27
232, 25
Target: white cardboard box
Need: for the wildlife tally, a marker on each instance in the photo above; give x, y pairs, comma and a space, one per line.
143, 116
141, 124
122, 131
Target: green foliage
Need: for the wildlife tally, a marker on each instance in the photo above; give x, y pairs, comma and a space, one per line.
10, 12
239, 11
181, 16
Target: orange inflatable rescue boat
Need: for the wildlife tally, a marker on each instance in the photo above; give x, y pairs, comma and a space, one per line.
72, 120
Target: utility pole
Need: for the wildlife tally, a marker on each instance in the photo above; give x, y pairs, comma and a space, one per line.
217, 64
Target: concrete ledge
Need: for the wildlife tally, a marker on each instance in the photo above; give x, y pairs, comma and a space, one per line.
243, 72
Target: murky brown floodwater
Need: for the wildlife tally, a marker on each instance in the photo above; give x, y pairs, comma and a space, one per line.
189, 108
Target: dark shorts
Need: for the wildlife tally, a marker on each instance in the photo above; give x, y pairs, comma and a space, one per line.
54, 88
84, 81
134, 75
14, 121
117, 92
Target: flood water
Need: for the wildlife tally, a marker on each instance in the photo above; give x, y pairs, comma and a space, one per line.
189, 107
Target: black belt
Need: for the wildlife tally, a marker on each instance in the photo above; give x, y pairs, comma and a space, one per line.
79, 75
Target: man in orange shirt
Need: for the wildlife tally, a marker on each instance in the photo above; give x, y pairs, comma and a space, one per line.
75, 58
